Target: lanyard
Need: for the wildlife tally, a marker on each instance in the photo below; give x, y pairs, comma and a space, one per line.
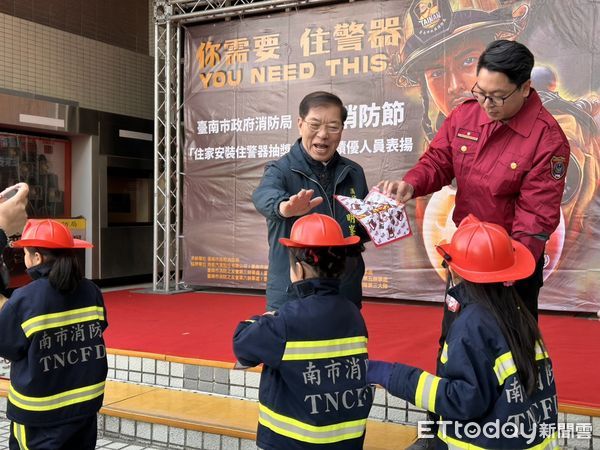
449, 281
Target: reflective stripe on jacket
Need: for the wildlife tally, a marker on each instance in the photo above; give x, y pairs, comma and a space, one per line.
478, 388
313, 390
56, 347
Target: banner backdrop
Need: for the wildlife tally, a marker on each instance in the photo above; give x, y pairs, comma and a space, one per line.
400, 67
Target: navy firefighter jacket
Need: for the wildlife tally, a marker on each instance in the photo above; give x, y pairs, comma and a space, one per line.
55, 345
313, 389
477, 392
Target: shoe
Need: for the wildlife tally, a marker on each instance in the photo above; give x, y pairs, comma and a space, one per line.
423, 444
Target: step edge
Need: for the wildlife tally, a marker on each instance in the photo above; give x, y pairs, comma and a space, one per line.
178, 423
211, 428
563, 407
178, 359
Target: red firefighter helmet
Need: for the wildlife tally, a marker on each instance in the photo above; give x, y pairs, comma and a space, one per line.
47, 233
483, 252
317, 230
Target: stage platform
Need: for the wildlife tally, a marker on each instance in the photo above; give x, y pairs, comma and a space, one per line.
171, 382
200, 325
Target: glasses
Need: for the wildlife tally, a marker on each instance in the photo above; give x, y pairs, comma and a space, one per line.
332, 128
495, 99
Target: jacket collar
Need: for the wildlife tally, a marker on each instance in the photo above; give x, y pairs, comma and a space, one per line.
312, 286
318, 166
302, 161
522, 122
39, 271
459, 293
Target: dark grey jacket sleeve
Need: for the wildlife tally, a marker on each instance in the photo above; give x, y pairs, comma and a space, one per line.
271, 192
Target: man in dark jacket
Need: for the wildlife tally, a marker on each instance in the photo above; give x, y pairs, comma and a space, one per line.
304, 180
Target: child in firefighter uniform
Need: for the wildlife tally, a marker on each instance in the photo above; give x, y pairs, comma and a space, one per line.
313, 390
495, 386
51, 331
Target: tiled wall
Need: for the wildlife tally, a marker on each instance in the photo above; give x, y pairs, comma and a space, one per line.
43, 61
244, 384
176, 438
386, 407
205, 379
236, 383
163, 436
578, 441
116, 22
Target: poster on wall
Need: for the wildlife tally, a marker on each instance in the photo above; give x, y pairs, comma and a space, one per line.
44, 164
399, 67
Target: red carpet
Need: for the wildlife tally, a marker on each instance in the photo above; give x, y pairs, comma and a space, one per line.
200, 325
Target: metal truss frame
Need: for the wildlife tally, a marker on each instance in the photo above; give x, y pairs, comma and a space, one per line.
170, 16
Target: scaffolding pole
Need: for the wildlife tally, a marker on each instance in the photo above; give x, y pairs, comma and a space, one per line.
167, 157
169, 18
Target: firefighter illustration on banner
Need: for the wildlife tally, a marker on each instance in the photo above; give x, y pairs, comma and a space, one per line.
443, 41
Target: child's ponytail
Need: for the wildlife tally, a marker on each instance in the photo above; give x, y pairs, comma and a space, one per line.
65, 273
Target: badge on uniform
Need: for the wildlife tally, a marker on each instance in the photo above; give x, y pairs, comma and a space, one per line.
558, 169
467, 134
452, 304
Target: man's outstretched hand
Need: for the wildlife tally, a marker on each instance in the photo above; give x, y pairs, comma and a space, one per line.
299, 204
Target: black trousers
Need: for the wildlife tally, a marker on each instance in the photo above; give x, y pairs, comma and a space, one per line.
529, 288
80, 435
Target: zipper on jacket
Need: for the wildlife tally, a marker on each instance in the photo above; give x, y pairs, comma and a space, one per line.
338, 179
321, 187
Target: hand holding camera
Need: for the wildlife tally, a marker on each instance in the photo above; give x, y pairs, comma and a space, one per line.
13, 204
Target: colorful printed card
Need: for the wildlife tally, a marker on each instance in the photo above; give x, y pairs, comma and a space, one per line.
384, 219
